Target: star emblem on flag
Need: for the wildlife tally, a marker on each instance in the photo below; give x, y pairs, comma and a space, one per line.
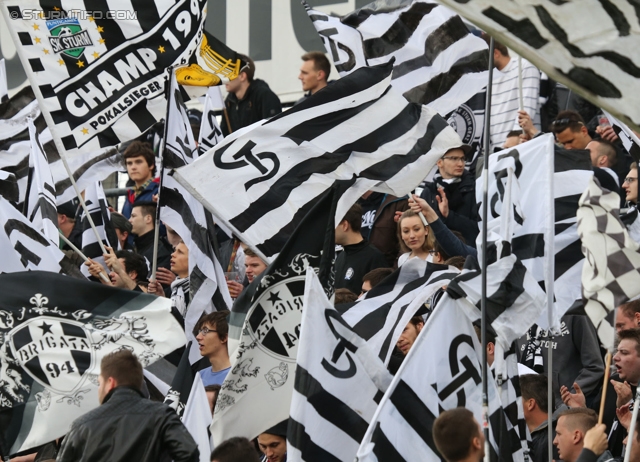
85, 131
273, 298
37, 40
161, 49
80, 63
36, 27
46, 328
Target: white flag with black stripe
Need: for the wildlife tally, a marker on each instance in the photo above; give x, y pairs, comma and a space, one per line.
98, 208
611, 273
628, 138
595, 56
40, 201
339, 381
99, 78
210, 133
438, 62
382, 315
22, 246
357, 128
187, 217
4, 85
546, 184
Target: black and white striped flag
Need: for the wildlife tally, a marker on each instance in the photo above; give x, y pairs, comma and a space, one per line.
210, 133
593, 57
99, 77
382, 315
546, 183
40, 201
46, 389
611, 272
4, 85
184, 214
438, 62
628, 138
23, 247
357, 128
338, 384
98, 208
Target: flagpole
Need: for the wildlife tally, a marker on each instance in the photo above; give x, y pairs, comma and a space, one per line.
83, 256
520, 96
163, 143
550, 251
483, 303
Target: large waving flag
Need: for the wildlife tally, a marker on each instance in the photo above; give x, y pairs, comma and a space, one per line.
357, 128
99, 74
438, 62
595, 57
55, 331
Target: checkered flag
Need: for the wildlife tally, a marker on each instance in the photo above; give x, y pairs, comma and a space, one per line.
611, 273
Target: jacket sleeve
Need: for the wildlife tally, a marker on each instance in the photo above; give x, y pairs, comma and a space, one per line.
72, 446
587, 455
450, 242
586, 342
177, 440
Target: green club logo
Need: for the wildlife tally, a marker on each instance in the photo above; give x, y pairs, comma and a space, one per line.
68, 37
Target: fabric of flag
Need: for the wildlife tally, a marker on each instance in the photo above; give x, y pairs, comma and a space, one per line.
339, 380
184, 214
210, 133
213, 63
15, 146
358, 127
264, 328
99, 77
40, 201
628, 138
8, 187
438, 62
23, 247
98, 208
593, 57
4, 85
546, 183
611, 273
426, 384
55, 332
387, 308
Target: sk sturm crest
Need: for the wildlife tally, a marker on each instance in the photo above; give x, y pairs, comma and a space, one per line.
68, 37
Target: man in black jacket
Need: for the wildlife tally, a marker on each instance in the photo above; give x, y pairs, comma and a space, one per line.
126, 426
452, 194
250, 100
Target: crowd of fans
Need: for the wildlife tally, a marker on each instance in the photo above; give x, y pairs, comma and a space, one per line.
378, 234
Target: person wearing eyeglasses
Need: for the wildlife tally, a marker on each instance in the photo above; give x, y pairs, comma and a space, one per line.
452, 194
212, 336
630, 187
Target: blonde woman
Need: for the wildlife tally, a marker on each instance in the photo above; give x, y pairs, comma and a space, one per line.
416, 239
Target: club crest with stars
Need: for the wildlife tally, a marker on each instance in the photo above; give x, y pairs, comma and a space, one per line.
55, 352
274, 319
68, 37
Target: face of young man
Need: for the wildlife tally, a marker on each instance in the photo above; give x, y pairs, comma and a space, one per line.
309, 76
408, 337
630, 186
272, 446
180, 260
254, 266
574, 140
451, 165
138, 170
116, 280
210, 343
138, 221
565, 441
627, 361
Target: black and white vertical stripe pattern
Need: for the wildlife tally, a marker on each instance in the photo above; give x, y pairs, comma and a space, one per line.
114, 90
547, 182
40, 202
356, 128
388, 307
210, 133
184, 214
98, 208
627, 137
438, 62
4, 85
332, 405
22, 247
592, 57
611, 272
401, 429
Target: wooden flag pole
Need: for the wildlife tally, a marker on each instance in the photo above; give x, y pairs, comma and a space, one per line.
607, 371
483, 302
226, 117
103, 276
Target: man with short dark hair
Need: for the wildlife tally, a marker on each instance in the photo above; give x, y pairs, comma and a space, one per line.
314, 73
68, 225
143, 223
534, 404
212, 335
570, 130
358, 256
249, 100
236, 449
373, 278
128, 269
273, 443
140, 162
628, 316
126, 427
572, 426
458, 436
123, 229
